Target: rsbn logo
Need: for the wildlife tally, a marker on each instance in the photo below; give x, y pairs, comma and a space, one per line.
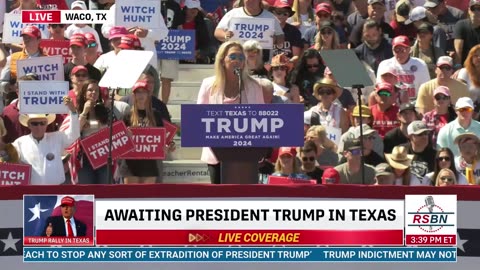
430, 217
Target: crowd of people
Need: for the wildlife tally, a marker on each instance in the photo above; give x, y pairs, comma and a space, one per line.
417, 124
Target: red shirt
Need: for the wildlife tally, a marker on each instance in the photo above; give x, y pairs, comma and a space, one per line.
73, 96
383, 122
53, 4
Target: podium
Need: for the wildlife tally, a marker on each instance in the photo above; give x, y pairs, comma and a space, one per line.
239, 165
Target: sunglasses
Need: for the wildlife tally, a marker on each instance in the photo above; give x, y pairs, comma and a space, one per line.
36, 124
442, 97
305, 159
356, 151
57, 25
445, 68
326, 32
313, 66
280, 68
446, 179
443, 159
475, 8
400, 49
84, 75
466, 109
384, 93
235, 56
92, 45
327, 91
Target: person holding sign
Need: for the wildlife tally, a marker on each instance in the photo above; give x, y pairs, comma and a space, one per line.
142, 114
287, 164
223, 88
79, 77
44, 150
31, 36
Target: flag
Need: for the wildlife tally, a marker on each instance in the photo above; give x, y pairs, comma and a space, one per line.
75, 160
36, 210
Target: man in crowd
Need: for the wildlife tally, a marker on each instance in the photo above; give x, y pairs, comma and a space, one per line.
385, 111
466, 32
399, 135
78, 44
308, 159
351, 171
374, 48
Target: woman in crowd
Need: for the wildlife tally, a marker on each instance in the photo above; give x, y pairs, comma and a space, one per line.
326, 149
309, 70
444, 159
141, 114
279, 70
44, 150
287, 164
445, 177
443, 113
327, 38
327, 112
304, 16
293, 45
223, 88
467, 162
254, 53
424, 48
470, 74
78, 76
195, 20
8, 153
400, 162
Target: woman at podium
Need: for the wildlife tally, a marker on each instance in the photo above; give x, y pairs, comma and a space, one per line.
230, 84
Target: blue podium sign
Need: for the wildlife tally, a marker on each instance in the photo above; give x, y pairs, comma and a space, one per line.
178, 45
246, 125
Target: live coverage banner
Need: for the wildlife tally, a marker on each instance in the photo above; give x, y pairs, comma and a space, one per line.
14, 174
178, 45
246, 125
96, 145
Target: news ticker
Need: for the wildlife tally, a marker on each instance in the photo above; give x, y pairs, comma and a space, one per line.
240, 254
419, 220
66, 16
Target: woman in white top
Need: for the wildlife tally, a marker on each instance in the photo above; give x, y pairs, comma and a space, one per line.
279, 70
329, 113
304, 16
470, 74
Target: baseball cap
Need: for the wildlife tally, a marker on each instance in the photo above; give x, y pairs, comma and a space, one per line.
32, 31
67, 201
117, 32
366, 130
366, 112
402, 9
283, 4
287, 150
383, 169
325, 7
432, 3
464, 102
79, 5
351, 144
384, 86
327, 24
390, 70
77, 69
417, 127
474, 2
406, 106
78, 40
371, 2
425, 27
129, 42
330, 176
140, 85
441, 90
192, 4
401, 41
90, 37
445, 60
416, 14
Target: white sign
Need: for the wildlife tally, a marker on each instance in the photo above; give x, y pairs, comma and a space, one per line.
334, 134
12, 28
42, 96
261, 30
126, 69
141, 13
47, 68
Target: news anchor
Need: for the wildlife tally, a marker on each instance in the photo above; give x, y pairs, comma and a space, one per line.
65, 225
231, 84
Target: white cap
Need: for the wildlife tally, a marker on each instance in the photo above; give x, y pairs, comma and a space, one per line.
417, 127
366, 130
416, 14
79, 4
192, 4
464, 102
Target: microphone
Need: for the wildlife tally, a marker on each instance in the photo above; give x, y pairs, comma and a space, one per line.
430, 204
237, 71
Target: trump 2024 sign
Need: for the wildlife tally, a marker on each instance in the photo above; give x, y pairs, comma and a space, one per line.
245, 125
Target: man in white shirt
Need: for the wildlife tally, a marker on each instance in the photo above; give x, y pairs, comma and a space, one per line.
410, 71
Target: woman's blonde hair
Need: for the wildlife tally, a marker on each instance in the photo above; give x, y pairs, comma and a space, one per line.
295, 165
319, 42
473, 72
219, 66
297, 16
321, 133
437, 181
150, 117
251, 45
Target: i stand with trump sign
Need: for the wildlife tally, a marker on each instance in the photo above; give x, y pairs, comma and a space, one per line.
42, 97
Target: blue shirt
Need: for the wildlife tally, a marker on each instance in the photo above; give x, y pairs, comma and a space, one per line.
448, 133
